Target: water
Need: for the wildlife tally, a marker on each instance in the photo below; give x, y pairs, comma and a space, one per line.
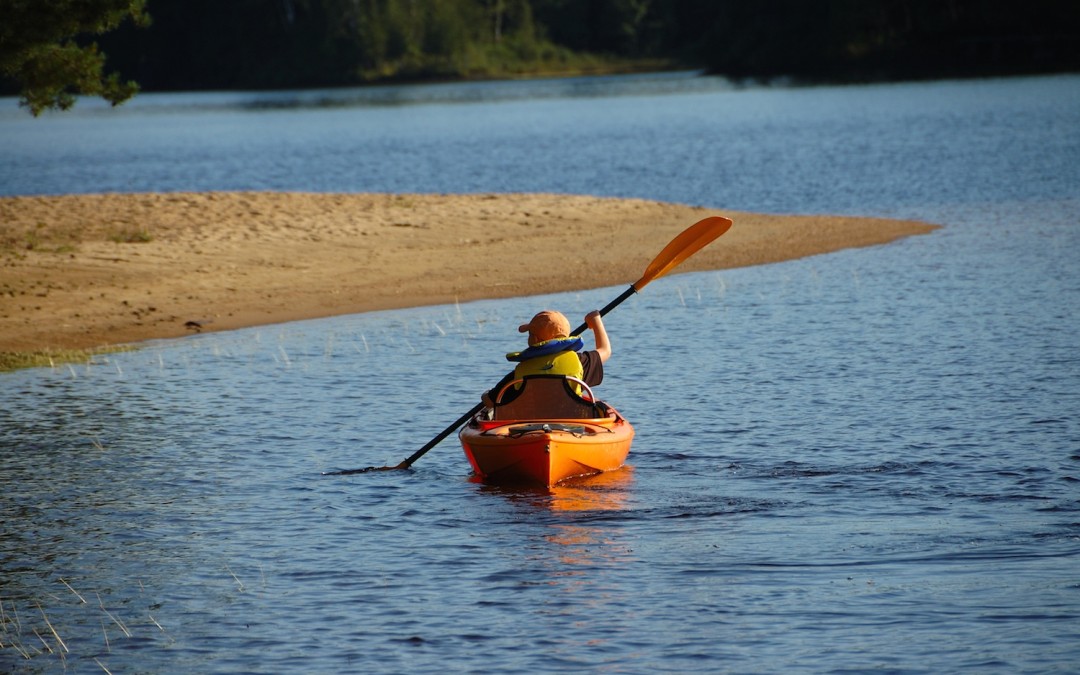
861, 461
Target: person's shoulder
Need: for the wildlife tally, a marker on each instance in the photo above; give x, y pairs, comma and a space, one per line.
592, 367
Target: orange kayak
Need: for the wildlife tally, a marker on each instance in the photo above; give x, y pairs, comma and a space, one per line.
545, 451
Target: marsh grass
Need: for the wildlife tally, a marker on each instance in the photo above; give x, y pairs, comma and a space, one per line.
16, 240
39, 237
53, 357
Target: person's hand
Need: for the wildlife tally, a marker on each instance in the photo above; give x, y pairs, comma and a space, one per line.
603, 344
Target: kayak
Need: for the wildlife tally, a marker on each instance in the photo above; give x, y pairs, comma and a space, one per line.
523, 443
544, 452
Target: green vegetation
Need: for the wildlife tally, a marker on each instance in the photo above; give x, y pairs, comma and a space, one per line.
45, 238
41, 237
131, 236
47, 49
54, 357
39, 49
859, 40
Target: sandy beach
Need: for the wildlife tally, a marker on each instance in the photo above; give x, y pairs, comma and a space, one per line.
88, 271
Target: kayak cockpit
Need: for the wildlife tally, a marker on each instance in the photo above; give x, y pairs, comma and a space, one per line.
545, 397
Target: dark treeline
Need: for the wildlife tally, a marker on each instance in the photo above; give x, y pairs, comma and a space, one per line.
213, 44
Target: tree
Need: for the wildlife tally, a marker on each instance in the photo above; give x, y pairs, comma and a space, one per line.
40, 49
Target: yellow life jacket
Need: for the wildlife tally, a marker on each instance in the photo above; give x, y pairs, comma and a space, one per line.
562, 363
551, 357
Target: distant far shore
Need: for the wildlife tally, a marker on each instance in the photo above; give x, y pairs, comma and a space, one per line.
83, 272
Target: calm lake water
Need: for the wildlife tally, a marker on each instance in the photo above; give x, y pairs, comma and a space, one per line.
863, 461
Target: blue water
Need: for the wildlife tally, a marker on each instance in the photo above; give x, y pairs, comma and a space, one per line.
868, 460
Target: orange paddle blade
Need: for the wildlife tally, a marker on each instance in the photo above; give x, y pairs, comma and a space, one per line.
692, 240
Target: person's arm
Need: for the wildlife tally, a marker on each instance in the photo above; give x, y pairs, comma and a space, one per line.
603, 344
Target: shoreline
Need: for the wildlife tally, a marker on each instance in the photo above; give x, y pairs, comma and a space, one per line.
86, 272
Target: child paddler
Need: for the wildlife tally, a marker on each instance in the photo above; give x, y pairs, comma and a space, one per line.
553, 351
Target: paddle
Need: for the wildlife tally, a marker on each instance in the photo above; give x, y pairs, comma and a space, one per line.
689, 242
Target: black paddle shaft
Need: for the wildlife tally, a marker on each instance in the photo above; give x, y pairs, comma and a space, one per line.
607, 308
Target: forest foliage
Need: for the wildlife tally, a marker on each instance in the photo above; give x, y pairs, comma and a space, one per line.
248, 44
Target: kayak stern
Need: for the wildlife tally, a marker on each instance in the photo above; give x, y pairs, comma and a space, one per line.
545, 452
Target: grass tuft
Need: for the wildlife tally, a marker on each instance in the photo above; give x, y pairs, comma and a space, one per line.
131, 236
53, 357
16, 241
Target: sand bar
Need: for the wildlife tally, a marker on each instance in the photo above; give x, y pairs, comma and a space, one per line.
87, 271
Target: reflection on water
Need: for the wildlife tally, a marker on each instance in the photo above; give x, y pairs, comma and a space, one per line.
608, 491
605, 492
646, 84
573, 555
495, 91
